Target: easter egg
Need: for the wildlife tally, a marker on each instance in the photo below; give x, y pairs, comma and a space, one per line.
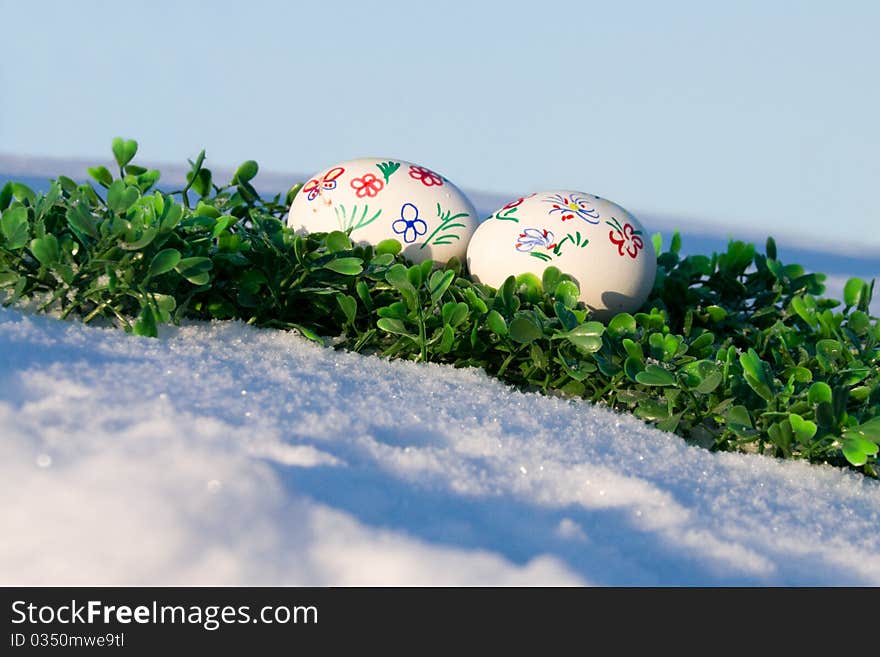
382, 198
601, 245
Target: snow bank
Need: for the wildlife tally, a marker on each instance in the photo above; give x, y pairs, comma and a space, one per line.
223, 454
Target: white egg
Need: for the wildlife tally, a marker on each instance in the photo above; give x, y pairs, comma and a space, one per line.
382, 198
601, 245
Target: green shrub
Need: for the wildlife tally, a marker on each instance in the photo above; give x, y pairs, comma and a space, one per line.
733, 351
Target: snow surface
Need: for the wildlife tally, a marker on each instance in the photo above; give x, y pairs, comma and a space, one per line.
223, 454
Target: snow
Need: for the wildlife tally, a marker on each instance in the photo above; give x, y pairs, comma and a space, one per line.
221, 454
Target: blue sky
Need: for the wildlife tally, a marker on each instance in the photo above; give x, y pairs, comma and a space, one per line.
754, 115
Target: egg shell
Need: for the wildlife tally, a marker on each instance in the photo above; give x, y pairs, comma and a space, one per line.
601, 245
387, 198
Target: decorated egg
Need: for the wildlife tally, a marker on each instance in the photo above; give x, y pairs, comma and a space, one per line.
601, 245
379, 198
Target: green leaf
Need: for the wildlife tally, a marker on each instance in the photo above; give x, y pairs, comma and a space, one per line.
337, 241
164, 261
348, 305
120, 197
654, 375
102, 175
391, 325
568, 293
853, 290
803, 429
621, 325
524, 330
391, 246
14, 226
496, 323
633, 349
632, 367
819, 392
550, 279
5, 196
23, 193
439, 283
447, 339
857, 449
246, 172
46, 249
195, 270
145, 324
587, 343
869, 430
346, 266
124, 150
455, 313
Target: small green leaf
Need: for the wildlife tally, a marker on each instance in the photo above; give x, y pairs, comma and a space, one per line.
524, 330
632, 367
550, 279
852, 291
496, 323
857, 449
622, 324
869, 430
568, 293
391, 325
23, 193
654, 375
391, 246
124, 150
164, 261
447, 339
195, 270
346, 266
14, 226
633, 349
337, 241
145, 324
102, 175
819, 392
46, 249
803, 429
587, 343
246, 172
348, 305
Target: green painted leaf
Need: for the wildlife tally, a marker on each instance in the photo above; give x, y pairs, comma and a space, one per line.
164, 261
346, 266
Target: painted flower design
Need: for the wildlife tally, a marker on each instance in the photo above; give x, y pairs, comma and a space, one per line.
508, 211
532, 238
367, 186
409, 225
314, 187
571, 206
626, 237
426, 176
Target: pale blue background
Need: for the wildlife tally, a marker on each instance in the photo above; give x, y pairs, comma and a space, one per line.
753, 115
